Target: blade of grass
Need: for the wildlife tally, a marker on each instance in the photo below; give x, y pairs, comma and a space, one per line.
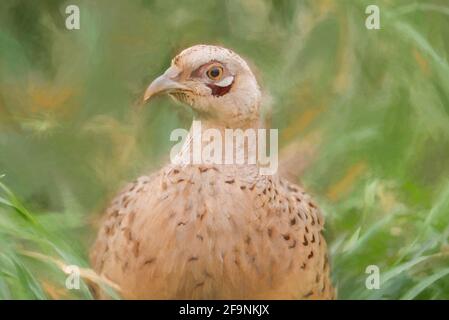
14, 203
424, 284
28, 281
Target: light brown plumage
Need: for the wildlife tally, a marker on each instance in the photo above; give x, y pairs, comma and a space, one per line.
211, 231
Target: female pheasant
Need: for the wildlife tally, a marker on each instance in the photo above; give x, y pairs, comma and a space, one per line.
213, 231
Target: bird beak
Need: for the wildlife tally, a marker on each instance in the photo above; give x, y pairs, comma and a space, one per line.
164, 84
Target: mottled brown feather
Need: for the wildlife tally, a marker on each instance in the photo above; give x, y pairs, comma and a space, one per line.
192, 233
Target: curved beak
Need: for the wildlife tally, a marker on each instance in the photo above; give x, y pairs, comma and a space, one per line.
164, 84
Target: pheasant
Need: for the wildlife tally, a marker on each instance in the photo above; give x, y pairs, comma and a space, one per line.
213, 231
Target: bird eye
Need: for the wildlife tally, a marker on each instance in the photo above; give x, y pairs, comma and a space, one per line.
215, 72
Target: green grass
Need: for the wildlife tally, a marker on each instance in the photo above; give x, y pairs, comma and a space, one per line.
375, 104
37, 249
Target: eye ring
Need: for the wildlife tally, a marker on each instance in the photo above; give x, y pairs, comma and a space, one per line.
215, 72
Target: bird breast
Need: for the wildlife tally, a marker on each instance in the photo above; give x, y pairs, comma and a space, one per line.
202, 232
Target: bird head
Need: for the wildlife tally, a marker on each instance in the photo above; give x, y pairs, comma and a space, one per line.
214, 81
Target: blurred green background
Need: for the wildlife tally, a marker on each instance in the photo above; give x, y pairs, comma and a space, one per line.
370, 108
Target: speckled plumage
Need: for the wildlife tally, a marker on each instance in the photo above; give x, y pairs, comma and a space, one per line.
214, 232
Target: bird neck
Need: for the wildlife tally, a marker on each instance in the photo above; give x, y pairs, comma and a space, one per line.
209, 143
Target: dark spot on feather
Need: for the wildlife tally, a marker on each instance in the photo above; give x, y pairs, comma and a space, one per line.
310, 256
149, 261
305, 242
308, 294
125, 199
136, 249
292, 245
202, 215
114, 213
207, 274
193, 258
108, 230
131, 217
128, 235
